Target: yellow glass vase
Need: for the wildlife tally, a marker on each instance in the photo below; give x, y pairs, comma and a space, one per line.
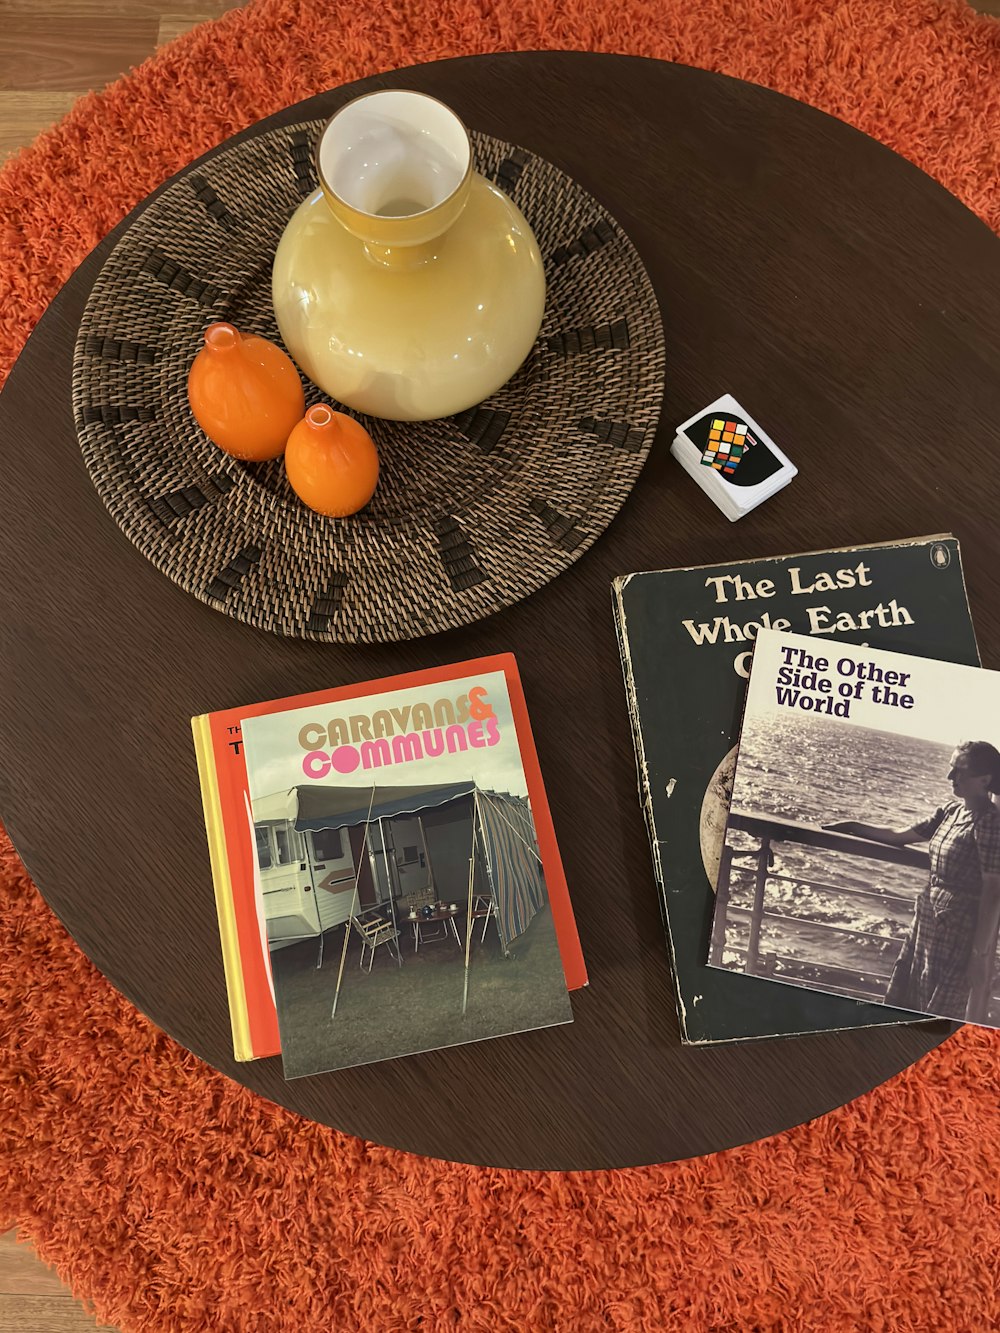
407, 286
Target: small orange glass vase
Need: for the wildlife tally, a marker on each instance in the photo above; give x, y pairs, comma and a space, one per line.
245, 393
331, 462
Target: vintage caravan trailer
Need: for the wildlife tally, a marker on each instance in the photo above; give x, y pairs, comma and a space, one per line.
319, 846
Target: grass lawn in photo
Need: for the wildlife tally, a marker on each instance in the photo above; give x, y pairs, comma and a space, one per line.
397, 1010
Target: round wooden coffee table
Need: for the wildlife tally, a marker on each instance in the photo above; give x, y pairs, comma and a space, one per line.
841, 294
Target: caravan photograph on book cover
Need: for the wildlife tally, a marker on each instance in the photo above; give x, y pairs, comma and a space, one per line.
862, 849
403, 890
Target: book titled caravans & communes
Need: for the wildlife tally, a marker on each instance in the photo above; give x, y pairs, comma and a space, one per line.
385, 813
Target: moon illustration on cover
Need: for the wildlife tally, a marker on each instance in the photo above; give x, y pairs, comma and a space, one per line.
714, 813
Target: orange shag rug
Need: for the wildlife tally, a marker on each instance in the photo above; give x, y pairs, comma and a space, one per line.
173, 1200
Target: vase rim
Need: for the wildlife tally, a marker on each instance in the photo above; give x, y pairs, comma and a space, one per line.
221, 335
345, 206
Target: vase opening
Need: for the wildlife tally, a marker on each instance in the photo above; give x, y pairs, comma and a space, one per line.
319, 415
396, 168
221, 337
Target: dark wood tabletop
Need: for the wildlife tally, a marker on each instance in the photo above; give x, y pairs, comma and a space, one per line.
843, 296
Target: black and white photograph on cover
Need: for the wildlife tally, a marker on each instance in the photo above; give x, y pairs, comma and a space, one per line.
400, 879
862, 849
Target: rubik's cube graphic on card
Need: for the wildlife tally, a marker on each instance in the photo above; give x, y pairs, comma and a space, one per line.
727, 442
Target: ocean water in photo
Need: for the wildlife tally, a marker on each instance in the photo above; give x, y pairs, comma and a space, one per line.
843, 912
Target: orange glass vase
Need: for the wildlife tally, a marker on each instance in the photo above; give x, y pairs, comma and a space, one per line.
245, 393
331, 462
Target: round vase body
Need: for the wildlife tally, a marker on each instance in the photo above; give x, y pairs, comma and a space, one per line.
331, 462
245, 393
409, 315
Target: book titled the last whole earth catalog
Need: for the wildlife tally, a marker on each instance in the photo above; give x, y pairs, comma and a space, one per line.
686, 639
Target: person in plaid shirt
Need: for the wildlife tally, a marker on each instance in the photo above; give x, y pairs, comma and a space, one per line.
947, 963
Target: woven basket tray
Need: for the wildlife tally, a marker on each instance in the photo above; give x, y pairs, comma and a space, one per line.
471, 513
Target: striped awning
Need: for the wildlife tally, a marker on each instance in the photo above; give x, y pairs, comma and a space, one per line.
321, 807
515, 866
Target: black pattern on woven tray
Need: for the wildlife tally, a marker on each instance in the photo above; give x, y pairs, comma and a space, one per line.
471, 513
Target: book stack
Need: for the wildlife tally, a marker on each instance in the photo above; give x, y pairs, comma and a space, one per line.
791, 881
363, 823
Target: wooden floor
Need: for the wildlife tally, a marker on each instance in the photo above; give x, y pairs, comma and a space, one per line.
32, 1299
52, 51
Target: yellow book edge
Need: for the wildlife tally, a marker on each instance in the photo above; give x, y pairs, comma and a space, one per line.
231, 960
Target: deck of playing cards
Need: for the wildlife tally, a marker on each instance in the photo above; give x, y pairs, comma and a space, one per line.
735, 463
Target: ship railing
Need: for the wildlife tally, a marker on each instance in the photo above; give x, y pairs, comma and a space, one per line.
762, 961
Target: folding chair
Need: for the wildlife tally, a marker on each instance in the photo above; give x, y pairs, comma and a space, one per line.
483, 909
375, 930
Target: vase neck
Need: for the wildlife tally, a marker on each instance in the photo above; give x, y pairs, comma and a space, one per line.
320, 419
402, 256
222, 339
396, 169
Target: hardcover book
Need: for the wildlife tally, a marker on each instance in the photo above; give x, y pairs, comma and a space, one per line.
862, 850
686, 639
396, 830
